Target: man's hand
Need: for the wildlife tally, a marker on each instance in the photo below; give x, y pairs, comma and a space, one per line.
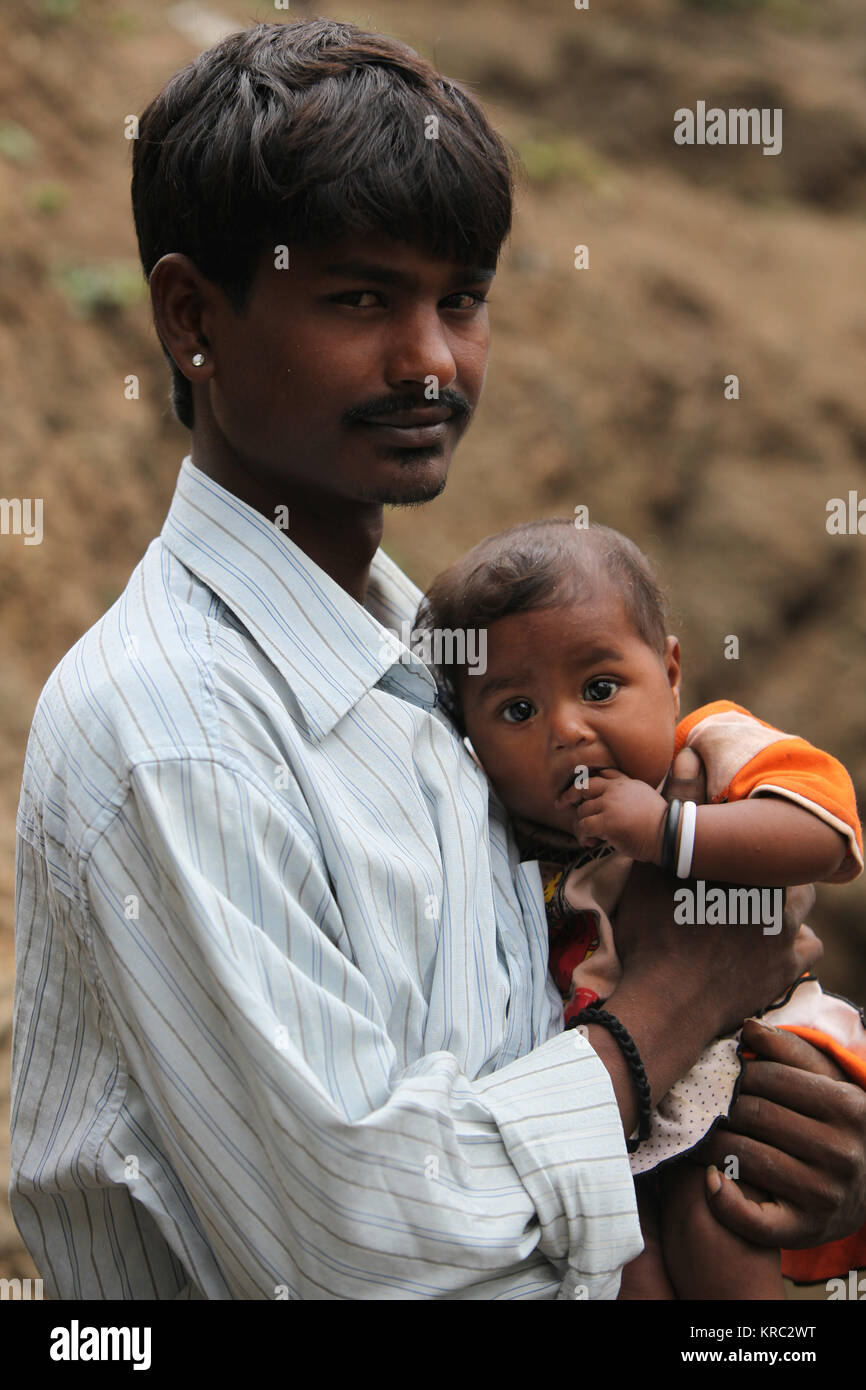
682, 986
619, 811
739, 966
798, 1131
688, 778
720, 974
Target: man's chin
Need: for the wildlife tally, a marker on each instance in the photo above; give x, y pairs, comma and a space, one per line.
416, 498
417, 486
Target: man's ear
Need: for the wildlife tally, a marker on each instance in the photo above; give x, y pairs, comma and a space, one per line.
673, 668
176, 293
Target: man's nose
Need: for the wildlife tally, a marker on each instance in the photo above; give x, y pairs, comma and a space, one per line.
419, 349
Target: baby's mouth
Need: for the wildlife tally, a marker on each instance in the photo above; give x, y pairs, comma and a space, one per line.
567, 784
569, 781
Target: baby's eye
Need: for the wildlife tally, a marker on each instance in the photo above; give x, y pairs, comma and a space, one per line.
603, 688
518, 711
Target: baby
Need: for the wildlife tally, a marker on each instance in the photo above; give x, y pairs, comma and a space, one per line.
575, 720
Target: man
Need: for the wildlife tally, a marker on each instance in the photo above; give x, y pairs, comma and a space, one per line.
284, 1026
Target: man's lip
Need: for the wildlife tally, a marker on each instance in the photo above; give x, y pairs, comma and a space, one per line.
410, 436
412, 419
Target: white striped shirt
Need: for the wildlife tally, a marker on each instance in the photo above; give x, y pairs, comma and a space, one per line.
283, 1022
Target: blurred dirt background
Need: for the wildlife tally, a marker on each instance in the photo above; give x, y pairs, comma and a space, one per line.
606, 385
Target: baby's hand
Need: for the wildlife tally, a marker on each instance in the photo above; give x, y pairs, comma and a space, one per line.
619, 811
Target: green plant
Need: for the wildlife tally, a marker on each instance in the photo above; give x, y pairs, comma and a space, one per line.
16, 143
60, 9
562, 157
48, 198
90, 290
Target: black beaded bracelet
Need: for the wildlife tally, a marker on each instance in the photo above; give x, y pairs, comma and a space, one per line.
669, 839
636, 1066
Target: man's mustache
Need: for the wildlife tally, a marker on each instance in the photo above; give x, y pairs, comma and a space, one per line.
395, 405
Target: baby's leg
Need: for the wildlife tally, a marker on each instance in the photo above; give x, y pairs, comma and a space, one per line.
646, 1277
703, 1258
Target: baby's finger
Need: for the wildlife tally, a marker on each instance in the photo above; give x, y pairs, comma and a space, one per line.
595, 788
575, 796
587, 840
589, 827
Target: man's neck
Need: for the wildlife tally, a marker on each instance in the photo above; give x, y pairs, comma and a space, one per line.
340, 539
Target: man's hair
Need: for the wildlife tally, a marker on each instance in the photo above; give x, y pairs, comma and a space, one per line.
304, 133
534, 565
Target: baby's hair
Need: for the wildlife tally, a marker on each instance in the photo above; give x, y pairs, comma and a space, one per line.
536, 564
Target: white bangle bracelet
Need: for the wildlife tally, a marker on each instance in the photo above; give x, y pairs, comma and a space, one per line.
688, 822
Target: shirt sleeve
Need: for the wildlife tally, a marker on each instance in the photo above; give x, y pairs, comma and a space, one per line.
746, 757
313, 1163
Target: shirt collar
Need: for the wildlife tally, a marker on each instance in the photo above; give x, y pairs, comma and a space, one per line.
329, 648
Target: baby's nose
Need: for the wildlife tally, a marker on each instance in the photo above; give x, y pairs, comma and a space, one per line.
570, 725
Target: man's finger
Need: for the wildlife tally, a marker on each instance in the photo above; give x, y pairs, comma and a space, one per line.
794, 1134
805, 1095
789, 1179
808, 949
771, 1094
687, 781
778, 1045
764, 1223
799, 902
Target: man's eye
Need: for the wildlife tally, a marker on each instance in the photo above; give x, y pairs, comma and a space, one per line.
518, 711
475, 299
356, 294
601, 689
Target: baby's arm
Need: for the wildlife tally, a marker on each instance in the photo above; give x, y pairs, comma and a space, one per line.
703, 1259
766, 840
688, 1254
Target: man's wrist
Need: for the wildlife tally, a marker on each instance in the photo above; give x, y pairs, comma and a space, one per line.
645, 1001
